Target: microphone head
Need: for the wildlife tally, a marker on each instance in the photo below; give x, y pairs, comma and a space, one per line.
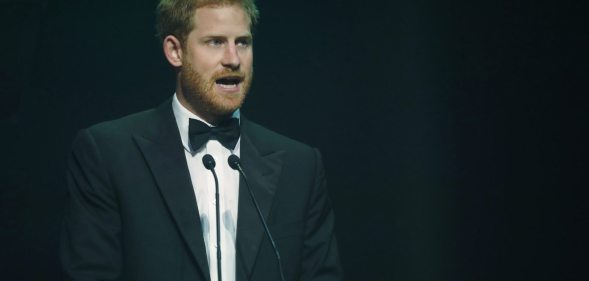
208, 161
233, 161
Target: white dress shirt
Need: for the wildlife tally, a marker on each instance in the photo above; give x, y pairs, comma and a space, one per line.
204, 191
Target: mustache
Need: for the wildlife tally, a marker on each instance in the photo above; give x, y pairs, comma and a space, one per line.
228, 74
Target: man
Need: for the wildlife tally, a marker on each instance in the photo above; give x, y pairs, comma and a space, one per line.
142, 204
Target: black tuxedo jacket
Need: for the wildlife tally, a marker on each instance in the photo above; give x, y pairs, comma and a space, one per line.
132, 212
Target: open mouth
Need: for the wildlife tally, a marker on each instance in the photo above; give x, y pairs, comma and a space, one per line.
229, 82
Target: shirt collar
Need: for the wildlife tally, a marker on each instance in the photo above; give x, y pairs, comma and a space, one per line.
183, 115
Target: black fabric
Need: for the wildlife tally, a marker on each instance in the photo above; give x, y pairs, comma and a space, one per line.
227, 133
132, 212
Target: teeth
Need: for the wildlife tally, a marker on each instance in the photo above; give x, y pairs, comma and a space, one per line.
227, 86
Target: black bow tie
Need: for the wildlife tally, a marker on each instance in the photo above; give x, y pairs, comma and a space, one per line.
227, 133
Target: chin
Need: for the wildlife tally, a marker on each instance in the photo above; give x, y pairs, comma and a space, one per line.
223, 106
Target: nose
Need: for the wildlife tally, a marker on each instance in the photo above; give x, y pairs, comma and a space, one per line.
231, 57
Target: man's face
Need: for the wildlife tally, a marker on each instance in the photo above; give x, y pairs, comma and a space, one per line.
217, 62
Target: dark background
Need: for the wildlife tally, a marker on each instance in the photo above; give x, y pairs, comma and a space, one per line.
452, 131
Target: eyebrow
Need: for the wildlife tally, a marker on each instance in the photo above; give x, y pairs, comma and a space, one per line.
214, 35
248, 37
222, 37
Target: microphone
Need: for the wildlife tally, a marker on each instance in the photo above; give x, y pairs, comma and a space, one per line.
209, 162
235, 164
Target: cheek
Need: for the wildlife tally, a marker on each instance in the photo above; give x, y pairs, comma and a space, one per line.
248, 58
204, 62
247, 65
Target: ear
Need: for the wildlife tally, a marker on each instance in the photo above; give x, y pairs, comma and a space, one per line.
173, 50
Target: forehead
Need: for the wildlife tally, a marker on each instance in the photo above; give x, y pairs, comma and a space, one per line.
222, 20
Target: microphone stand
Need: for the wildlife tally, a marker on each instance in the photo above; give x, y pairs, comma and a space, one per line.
235, 164
209, 163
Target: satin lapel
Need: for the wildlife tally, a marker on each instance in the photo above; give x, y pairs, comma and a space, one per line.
263, 170
164, 155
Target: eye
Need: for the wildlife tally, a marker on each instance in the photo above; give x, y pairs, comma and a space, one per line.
215, 42
244, 42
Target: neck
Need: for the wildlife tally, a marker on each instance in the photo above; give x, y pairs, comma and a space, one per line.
210, 118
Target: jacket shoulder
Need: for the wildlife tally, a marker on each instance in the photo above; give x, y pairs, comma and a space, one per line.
129, 124
119, 134
265, 137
